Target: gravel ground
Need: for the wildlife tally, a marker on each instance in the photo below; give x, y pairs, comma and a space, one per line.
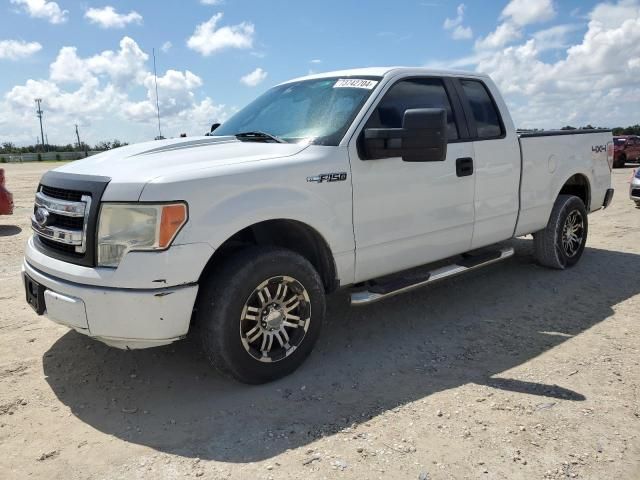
513, 372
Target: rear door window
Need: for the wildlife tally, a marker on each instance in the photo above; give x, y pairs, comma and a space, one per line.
485, 112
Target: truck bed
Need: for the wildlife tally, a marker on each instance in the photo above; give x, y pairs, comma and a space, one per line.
549, 160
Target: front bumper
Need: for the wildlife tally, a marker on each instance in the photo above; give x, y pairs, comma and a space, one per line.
120, 317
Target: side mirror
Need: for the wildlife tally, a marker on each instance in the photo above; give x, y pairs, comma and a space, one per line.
422, 138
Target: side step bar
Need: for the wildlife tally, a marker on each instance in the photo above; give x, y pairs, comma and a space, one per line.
391, 288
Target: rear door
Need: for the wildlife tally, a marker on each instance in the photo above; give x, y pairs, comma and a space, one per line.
410, 213
496, 161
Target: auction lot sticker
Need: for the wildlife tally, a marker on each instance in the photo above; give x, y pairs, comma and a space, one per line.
355, 83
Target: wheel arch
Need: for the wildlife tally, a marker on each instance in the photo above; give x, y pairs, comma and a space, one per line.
579, 186
286, 233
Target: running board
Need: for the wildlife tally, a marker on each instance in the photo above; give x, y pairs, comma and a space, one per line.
391, 288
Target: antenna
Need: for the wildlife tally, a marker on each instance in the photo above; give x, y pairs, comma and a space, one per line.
155, 77
39, 113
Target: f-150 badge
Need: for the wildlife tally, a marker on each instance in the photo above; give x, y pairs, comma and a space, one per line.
328, 177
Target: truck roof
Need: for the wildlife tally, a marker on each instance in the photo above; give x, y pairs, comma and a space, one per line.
382, 71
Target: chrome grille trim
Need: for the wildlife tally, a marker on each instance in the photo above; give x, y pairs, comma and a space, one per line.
60, 235
63, 208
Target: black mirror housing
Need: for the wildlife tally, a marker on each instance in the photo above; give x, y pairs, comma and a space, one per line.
422, 138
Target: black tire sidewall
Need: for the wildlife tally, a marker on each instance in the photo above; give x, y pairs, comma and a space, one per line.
572, 204
222, 302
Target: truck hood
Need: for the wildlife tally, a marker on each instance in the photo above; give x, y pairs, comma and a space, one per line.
140, 163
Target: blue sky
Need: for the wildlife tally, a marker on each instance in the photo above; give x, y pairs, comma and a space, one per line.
525, 47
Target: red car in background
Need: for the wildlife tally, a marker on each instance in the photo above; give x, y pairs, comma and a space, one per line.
6, 199
626, 148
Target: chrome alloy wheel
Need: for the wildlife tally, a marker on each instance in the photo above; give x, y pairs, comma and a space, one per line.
573, 233
275, 319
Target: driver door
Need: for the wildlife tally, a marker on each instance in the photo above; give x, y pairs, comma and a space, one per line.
407, 214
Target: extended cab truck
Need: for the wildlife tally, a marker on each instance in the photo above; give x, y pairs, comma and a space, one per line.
344, 179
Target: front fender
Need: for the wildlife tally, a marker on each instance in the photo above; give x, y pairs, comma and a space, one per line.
223, 203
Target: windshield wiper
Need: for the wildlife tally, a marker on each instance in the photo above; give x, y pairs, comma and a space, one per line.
259, 137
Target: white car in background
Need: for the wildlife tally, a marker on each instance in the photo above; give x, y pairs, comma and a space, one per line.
634, 188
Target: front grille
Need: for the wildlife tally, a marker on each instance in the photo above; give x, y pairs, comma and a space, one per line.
62, 194
59, 222
70, 202
72, 223
61, 247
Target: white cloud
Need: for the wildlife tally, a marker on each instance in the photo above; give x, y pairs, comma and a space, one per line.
125, 66
455, 25
316, 61
50, 11
595, 82
175, 94
254, 78
15, 49
501, 36
555, 37
462, 33
166, 46
107, 17
211, 2
207, 39
526, 12
110, 94
517, 14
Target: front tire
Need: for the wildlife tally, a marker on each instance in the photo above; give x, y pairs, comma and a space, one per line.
561, 244
260, 313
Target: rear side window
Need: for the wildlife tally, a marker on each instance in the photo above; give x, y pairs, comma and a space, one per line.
484, 110
408, 94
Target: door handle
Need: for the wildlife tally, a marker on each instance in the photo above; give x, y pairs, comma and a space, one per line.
464, 166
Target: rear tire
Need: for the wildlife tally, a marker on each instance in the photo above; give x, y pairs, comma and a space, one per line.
561, 244
260, 313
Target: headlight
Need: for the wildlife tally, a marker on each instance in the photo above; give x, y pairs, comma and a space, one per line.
136, 226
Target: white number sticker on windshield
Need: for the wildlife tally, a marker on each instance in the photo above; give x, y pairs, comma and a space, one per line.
356, 83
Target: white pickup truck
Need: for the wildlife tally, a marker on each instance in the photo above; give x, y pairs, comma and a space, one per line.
344, 179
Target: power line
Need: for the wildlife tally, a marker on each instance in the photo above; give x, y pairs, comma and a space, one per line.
155, 76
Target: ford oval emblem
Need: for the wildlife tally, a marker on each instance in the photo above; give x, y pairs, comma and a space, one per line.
42, 216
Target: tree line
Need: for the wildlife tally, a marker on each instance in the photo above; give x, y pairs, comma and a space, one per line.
632, 130
11, 148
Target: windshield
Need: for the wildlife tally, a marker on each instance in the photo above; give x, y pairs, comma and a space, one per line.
316, 111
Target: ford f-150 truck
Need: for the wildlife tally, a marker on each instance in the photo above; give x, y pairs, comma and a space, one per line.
346, 179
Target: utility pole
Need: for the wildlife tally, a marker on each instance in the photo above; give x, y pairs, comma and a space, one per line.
78, 137
39, 113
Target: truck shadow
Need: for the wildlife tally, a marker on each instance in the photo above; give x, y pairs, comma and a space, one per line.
369, 360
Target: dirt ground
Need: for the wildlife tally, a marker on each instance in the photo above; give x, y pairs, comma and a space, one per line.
513, 372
